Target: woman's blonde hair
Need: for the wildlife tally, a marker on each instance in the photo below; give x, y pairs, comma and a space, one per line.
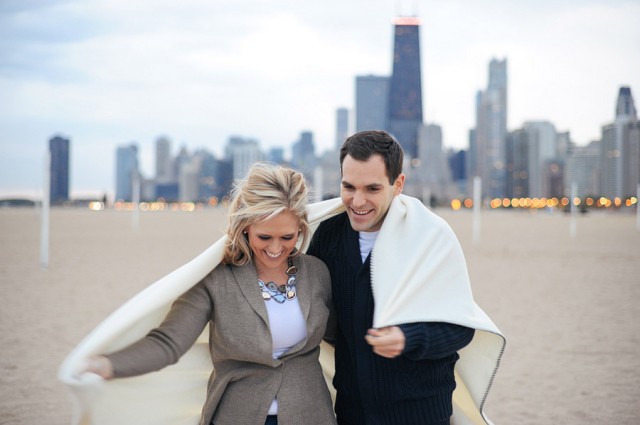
266, 191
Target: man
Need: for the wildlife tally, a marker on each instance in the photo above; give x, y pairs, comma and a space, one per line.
401, 374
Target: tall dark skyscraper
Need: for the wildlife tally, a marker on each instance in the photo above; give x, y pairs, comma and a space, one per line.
405, 89
59, 183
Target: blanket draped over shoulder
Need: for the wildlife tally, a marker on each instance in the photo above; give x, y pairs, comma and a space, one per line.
416, 277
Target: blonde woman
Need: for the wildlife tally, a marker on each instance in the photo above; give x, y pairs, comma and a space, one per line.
267, 307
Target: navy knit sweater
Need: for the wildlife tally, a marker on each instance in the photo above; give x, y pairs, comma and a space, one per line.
414, 388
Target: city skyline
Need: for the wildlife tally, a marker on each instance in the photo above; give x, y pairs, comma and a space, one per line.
99, 74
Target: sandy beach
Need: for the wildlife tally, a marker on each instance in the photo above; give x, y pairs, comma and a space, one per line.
569, 306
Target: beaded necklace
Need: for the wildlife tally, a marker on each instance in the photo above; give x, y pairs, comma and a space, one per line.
280, 293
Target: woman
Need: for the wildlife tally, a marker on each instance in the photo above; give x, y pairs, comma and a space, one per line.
266, 305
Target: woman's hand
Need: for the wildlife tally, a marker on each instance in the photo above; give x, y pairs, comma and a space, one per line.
100, 365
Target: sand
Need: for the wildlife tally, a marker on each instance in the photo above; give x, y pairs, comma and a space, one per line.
569, 306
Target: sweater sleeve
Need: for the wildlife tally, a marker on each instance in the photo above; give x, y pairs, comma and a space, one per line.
434, 340
165, 344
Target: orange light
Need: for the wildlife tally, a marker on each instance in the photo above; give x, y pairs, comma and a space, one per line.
96, 206
456, 204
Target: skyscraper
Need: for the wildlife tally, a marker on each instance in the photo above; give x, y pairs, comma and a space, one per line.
372, 102
342, 126
405, 89
489, 139
582, 169
126, 171
432, 169
303, 155
59, 169
620, 149
164, 162
242, 153
542, 139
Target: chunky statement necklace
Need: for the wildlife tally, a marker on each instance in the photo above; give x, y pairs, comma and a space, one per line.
280, 293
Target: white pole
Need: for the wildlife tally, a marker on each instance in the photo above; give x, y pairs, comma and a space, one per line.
573, 210
477, 205
135, 198
44, 212
638, 207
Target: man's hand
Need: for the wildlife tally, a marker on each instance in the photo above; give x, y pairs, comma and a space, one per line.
386, 342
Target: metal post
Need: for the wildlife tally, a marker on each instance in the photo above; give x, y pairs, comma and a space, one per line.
638, 207
44, 212
573, 210
135, 198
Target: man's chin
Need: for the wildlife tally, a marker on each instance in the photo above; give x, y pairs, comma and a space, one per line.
359, 225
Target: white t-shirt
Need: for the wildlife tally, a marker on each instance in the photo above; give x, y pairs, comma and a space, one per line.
367, 240
287, 329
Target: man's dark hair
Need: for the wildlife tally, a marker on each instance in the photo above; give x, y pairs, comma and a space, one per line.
363, 144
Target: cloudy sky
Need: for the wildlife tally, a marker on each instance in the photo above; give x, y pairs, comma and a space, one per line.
110, 72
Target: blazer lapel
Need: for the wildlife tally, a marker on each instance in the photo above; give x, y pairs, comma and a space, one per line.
247, 279
302, 289
303, 292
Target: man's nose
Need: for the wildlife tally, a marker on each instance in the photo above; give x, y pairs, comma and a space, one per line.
359, 199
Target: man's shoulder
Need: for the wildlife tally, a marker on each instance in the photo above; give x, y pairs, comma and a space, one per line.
333, 222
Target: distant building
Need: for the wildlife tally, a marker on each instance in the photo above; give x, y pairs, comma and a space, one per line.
189, 181
518, 164
582, 169
303, 156
405, 88
488, 142
342, 126
59, 170
542, 139
164, 161
372, 93
620, 150
242, 153
430, 170
276, 155
327, 177
216, 178
127, 171
458, 167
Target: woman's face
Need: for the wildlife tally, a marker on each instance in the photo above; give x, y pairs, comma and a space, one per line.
273, 240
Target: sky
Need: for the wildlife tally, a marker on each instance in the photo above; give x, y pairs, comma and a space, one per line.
107, 73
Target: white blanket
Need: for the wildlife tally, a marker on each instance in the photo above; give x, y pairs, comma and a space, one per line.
416, 277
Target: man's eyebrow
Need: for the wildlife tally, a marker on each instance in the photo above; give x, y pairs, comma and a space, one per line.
369, 186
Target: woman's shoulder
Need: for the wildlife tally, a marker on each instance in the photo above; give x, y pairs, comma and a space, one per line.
312, 264
220, 271
310, 260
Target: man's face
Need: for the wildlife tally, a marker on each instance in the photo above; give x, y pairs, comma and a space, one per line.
366, 192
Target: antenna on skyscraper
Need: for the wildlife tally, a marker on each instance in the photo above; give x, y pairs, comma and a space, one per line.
406, 8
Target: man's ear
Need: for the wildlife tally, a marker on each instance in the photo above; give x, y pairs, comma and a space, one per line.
399, 184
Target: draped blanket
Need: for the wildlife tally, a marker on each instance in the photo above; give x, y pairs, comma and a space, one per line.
416, 277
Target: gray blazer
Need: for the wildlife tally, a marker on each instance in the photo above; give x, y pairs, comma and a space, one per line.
245, 378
